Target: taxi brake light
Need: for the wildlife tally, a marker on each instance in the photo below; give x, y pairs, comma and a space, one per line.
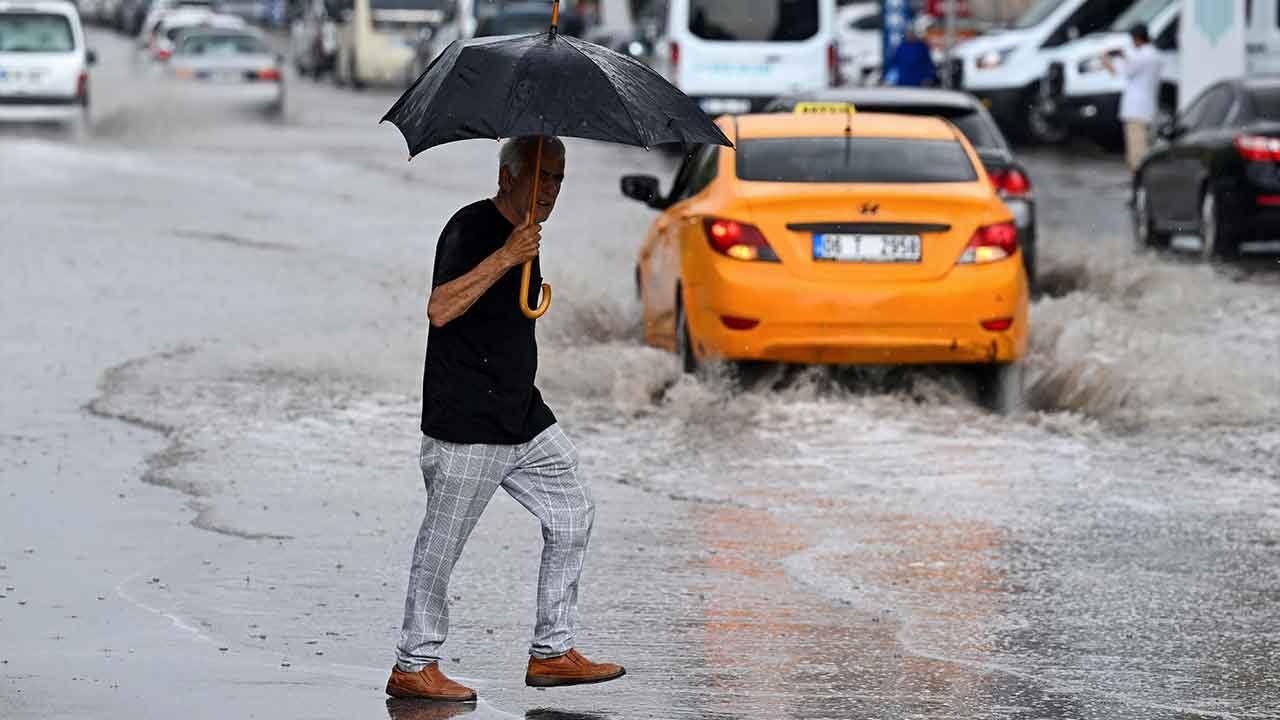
738, 240
738, 323
997, 324
991, 243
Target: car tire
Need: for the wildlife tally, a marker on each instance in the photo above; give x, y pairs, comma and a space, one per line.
1145, 234
686, 360
1001, 387
1041, 128
1216, 239
1029, 261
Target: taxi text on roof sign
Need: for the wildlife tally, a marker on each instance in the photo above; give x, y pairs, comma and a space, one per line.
824, 107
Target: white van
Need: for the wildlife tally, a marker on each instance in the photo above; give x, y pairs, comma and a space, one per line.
734, 56
1081, 95
44, 66
1004, 69
1262, 37
378, 39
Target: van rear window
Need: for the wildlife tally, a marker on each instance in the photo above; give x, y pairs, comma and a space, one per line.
35, 33
853, 160
754, 20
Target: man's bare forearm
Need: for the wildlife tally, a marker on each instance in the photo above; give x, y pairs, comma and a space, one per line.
449, 301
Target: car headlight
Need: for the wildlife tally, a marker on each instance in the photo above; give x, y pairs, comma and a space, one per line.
1092, 65
993, 59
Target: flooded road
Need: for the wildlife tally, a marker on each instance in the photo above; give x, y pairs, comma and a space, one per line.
214, 329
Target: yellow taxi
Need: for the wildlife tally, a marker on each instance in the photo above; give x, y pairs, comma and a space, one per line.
835, 237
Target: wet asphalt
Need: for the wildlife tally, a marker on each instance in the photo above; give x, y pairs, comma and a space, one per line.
213, 336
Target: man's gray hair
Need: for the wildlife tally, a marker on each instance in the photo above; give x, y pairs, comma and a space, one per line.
516, 150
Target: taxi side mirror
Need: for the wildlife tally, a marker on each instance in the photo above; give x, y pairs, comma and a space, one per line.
644, 188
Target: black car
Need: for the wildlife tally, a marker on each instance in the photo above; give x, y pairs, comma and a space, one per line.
528, 18
967, 113
1214, 172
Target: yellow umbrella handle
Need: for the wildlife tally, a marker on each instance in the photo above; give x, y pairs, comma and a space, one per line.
526, 272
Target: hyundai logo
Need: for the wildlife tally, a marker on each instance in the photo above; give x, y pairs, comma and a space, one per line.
870, 208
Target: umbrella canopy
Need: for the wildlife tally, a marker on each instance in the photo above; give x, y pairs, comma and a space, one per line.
546, 85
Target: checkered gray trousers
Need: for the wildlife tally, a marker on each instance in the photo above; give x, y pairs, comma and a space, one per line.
542, 476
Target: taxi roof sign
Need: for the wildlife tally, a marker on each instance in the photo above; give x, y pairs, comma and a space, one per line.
804, 108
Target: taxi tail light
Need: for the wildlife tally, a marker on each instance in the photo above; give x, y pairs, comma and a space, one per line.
1010, 182
1258, 148
269, 74
82, 85
739, 241
833, 65
991, 243
997, 324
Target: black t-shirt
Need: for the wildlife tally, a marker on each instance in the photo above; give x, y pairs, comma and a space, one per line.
478, 384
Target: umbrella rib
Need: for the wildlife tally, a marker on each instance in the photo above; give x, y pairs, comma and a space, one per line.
625, 109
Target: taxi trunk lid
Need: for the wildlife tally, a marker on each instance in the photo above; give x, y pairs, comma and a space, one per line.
944, 216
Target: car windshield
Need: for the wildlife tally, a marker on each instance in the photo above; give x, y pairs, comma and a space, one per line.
1266, 104
224, 44
1144, 12
971, 123
35, 33
1037, 13
853, 160
754, 20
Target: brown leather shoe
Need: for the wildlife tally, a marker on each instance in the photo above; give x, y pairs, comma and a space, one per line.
427, 683
570, 668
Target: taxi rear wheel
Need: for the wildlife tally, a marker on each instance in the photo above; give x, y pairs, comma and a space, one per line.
1000, 387
687, 361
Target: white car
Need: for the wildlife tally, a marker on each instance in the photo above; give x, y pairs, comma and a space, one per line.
44, 65
228, 65
161, 44
860, 37
1004, 69
1081, 95
161, 8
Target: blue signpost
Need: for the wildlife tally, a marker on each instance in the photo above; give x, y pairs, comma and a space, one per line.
897, 16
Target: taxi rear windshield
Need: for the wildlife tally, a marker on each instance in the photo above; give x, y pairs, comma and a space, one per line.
754, 20
853, 160
35, 33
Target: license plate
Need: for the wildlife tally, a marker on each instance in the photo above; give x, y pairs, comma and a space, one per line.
721, 106
868, 248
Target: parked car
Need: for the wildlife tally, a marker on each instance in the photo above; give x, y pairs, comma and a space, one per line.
44, 64
378, 39
1005, 69
313, 39
1082, 96
1214, 174
835, 238
236, 66
734, 56
526, 18
1008, 176
860, 38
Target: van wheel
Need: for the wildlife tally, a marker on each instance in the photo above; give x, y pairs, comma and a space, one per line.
1040, 127
1000, 387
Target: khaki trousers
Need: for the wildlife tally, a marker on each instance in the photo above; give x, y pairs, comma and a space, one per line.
1137, 137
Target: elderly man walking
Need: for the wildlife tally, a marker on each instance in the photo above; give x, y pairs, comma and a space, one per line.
485, 426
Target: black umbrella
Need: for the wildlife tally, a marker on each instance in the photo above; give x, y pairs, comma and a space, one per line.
545, 85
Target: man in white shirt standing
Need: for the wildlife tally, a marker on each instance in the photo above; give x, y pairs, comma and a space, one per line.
1141, 71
